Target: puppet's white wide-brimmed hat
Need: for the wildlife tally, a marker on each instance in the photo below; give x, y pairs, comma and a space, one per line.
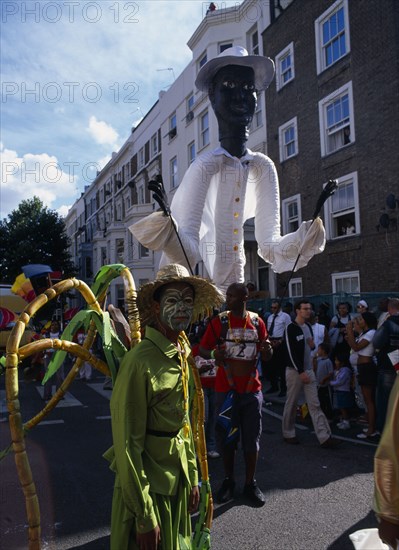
237, 55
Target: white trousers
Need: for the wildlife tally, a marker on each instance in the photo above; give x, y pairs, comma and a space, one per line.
294, 387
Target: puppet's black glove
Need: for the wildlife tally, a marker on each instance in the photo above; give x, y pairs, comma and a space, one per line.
159, 194
327, 192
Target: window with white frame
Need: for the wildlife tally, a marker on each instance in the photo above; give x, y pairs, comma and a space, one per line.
295, 288
191, 152
118, 213
172, 126
285, 68
288, 139
127, 171
341, 211
189, 108
173, 172
143, 251
224, 46
336, 119
190, 102
141, 157
202, 60
154, 145
204, 129
140, 194
254, 41
332, 35
291, 213
257, 120
348, 282
119, 251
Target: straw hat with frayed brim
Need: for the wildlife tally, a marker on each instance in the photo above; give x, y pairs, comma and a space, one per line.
237, 55
207, 296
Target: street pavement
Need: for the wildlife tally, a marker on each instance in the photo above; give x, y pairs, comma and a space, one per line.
315, 497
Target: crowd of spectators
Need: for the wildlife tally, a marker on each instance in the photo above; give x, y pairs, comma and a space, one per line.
351, 361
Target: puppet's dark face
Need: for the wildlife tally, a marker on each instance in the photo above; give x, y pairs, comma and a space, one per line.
233, 95
176, 306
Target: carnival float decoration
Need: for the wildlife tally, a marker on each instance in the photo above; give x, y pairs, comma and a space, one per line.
95, 319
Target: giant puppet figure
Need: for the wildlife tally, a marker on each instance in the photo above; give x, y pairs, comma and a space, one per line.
225, 187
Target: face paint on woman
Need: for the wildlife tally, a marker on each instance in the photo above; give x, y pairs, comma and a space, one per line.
176, 307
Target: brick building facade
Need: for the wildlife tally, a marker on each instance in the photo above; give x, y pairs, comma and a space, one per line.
333, 113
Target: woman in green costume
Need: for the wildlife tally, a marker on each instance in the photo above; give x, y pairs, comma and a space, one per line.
153, 456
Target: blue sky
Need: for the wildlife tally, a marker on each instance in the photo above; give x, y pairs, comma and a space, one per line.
76, 76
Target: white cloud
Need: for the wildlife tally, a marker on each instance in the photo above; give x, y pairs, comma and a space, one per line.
34, 175
75, 83
63, 210
102, 132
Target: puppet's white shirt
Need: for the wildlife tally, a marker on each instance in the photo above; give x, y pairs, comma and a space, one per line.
216, 196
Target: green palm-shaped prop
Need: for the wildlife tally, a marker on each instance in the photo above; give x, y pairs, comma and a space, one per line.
93, 320
104, 277
113, 348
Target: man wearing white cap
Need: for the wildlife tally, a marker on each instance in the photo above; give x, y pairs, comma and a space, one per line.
224, 188
362, 306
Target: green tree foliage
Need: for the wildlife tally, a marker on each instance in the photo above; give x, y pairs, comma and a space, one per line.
33, 234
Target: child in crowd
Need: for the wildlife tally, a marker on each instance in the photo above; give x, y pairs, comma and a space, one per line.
323, 369
343, 396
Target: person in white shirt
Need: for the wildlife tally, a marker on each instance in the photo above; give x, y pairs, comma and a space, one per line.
362, 359
275, 368
301, 376
224, 188
320, 333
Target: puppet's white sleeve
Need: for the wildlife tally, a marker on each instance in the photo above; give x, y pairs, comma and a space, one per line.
157, 233
282, 251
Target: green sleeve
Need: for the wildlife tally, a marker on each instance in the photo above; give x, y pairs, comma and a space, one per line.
129, 401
